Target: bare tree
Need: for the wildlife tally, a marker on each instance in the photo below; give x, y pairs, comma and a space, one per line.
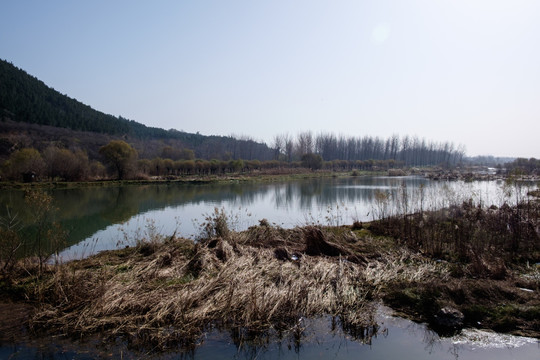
278, 143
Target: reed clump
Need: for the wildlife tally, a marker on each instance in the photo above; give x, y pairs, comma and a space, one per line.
484, 241
492, 255
167, 292
261, 281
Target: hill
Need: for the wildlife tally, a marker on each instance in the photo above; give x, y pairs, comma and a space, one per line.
29, 105
33, 115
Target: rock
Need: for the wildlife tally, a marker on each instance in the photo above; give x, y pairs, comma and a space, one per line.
449, 318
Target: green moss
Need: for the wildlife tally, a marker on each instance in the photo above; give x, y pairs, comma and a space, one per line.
476, 313
420, 301
403, 298
531, 313
187, 278
123, 269
505, 323
503, 318
363, 233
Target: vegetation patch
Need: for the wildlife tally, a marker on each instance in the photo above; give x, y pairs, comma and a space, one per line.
167, 291
254, 282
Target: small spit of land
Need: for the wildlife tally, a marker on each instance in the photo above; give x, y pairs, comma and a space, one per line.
459, 267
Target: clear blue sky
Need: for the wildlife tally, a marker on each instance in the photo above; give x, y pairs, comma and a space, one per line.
460, 70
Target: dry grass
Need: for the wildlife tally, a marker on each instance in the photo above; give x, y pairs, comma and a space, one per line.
242, 283
484, 240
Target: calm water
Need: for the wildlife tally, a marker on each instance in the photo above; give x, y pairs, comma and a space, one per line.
395, 338
99, 218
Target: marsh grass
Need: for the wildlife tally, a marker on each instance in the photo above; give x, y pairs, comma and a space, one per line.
262, 283
10, 242
36, 240
172, 295
484, 240
464, 227
486, 251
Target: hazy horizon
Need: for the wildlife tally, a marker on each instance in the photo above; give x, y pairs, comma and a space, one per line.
460, 71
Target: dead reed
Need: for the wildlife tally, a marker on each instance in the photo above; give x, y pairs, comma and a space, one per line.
261, 281
484, 240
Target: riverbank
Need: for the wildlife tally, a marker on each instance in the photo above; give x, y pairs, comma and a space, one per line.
286, 174
188, 179
166, 292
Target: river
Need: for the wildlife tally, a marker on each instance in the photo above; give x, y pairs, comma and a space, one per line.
394, 338
109, 217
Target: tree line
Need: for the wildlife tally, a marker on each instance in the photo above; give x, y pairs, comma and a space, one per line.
52, 159
407, 150
120, 160
25, 99
524, 166
45, 147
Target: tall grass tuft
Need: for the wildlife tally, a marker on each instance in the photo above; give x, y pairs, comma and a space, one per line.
237, 283
484, 238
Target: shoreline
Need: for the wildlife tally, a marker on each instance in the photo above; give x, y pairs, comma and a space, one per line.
432, 173
451, 268
185, 180
263, 279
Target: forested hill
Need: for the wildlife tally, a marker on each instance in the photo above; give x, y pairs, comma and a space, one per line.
33, 115
26, 99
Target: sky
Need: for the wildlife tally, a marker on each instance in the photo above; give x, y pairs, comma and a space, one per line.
464, 71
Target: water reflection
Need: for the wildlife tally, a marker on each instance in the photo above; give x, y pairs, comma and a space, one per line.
100, 218
392, 338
